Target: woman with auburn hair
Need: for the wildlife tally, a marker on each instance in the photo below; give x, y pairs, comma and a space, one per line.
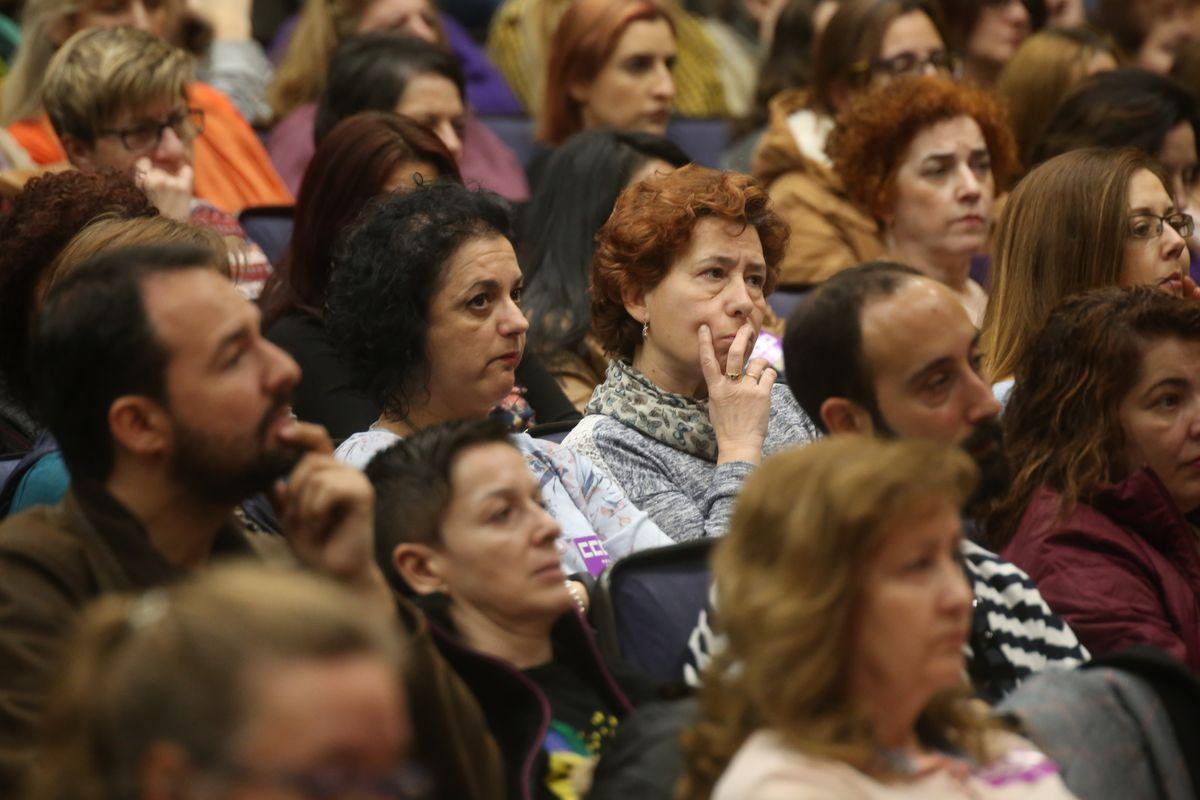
524, 35
200, 684
924, 156
680, 281
867, 44
610, 65
1125, 231
1101, 432
1044, 70
364, 156
843, 597
557, 232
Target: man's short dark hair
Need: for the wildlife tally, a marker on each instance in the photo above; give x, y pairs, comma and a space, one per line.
822, 347
94, 343
412, 484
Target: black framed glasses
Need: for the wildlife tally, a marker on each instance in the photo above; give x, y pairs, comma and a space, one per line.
909, 64
1150, 226
187, 124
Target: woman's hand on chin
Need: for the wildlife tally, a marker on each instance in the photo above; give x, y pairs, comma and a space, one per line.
739, 403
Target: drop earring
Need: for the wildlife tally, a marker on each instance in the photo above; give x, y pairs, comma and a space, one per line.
645, 330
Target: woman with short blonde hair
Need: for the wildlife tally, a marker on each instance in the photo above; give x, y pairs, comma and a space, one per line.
845, 605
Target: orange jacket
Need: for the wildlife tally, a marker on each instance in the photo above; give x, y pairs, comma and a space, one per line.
233, 170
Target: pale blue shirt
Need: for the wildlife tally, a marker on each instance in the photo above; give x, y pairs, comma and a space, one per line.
599, 523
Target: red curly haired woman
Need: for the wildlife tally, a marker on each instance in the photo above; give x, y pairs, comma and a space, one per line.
924, 156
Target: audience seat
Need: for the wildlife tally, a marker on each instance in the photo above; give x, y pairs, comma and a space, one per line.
269, 227
784, 301
646, 605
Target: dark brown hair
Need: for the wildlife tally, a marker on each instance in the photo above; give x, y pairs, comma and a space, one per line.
852, 39
1061, 424
651, 225
352, 164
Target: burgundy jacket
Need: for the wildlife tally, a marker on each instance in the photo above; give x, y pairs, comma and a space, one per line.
1122, 569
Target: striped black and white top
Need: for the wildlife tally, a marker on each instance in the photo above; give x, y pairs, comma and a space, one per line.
1014, 633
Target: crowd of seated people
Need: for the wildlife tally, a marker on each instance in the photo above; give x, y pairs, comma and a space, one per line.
371, 371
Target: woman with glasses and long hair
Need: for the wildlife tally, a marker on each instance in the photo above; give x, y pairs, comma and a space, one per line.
1124, 230
867, 43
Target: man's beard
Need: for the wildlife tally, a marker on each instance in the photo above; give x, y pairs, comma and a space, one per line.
227, 471
985, 446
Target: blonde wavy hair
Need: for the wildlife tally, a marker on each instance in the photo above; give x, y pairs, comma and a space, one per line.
323, 25
790, 579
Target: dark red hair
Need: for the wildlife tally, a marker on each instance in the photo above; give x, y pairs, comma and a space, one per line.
585, 37
353, 164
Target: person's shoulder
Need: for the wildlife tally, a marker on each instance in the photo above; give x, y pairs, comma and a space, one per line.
359, 448
765, 767
42, 541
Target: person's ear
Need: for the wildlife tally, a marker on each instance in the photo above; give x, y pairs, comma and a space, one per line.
580, 92
420, 566
79, 152
139, 425
164, 773
840, 415
634, 300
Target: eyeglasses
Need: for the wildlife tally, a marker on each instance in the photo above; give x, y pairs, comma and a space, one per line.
908, 64
1150, 226
187, 124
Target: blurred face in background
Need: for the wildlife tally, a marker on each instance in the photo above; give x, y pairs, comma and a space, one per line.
1001, 28
416, 18
434, 101
635, 87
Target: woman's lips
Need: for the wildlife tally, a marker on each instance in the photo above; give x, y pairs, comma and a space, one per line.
509, 359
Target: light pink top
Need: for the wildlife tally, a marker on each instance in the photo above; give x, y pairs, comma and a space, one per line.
766, 769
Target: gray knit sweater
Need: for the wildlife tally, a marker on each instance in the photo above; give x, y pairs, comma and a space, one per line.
687, 496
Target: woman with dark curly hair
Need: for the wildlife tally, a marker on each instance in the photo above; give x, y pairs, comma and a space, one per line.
680, 280
867, 43
423, 306
44, 216
1101, 431
924, 156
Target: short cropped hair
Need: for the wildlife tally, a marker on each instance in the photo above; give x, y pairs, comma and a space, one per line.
651, 226
386, 271
94, 343
101, 72
822, 346
413, 488
873, 136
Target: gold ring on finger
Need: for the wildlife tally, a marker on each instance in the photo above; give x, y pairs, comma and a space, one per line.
734, 376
